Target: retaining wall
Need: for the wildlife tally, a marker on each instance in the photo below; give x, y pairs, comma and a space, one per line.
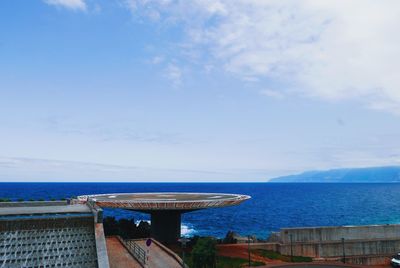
364, 245
311, 234
335, 248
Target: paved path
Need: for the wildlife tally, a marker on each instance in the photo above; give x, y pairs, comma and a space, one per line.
118, 256
158, 258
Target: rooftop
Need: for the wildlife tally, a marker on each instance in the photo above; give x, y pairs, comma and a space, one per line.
31, 210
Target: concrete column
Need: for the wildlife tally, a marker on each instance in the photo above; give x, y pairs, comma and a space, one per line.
166, 226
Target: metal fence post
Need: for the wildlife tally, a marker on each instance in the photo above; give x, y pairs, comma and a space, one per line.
344, 252
291, 247
248, 239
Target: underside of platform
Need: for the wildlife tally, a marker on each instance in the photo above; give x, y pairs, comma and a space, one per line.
166, 226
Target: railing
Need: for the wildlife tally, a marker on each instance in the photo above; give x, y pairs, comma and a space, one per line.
137, 252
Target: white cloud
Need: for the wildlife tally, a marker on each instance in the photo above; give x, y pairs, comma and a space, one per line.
272, 93
328, 49
174, 74
157, 60
70, 4
152, 11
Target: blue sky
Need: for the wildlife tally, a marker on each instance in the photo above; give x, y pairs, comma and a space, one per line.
143, 90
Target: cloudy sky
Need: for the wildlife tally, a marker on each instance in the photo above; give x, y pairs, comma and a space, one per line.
212, 90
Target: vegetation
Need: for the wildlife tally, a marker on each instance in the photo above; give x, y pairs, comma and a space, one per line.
276, 256
225, 262
126, 228
5, 200
204, 253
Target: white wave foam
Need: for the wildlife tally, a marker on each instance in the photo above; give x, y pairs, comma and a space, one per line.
138, 221
187, 230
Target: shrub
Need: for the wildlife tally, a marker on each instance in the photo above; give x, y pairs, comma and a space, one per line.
276, 256
204, 253
126, 228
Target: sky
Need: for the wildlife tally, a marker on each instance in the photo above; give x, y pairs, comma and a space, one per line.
202, 90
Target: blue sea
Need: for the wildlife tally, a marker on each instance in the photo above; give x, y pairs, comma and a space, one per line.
272, 206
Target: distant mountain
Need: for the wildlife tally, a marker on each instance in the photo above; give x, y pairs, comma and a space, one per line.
371, 174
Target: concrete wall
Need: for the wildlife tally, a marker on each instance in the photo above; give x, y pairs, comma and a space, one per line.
361, 260
364, 245
33, 203
336, 233
369, 260
101, 247
305, 250
335, 249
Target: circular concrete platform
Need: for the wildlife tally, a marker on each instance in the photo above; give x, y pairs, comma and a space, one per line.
165, 208
165, 201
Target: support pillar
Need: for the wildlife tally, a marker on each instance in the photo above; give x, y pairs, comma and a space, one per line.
166, 226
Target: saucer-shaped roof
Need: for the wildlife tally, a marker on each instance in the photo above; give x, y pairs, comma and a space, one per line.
164, 201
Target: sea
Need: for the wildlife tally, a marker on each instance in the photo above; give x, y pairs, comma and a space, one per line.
272, 205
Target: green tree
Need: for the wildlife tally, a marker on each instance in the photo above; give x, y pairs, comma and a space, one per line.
204, 253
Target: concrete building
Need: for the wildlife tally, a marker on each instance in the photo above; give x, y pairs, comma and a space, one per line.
364, 245
165, 208
51, 234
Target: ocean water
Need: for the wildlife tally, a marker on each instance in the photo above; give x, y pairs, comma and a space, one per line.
272, 206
